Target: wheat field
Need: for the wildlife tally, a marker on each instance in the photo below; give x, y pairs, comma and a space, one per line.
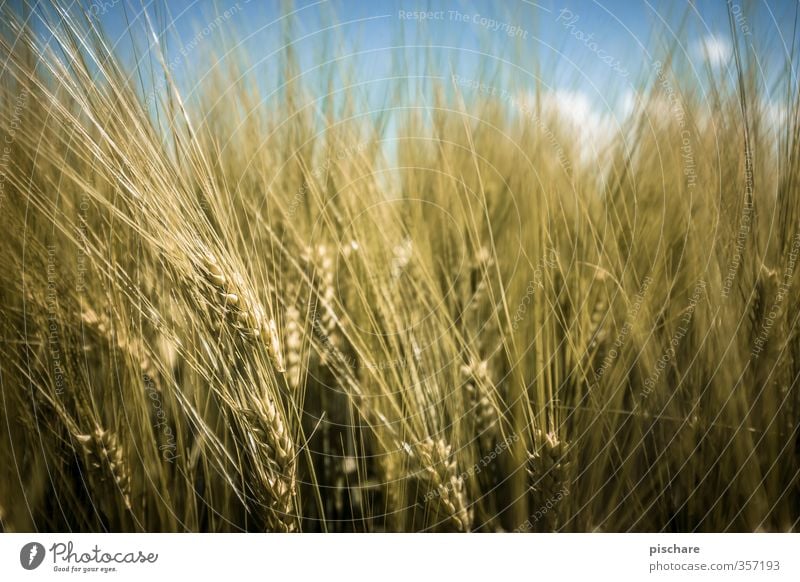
227, 306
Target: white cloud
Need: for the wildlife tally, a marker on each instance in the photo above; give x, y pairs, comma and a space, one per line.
774, 114
627, 104
714, 49
593, 130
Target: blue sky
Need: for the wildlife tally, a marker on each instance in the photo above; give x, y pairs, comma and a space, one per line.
600, 51
630, 32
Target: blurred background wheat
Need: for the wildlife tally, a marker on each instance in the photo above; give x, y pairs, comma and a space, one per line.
454, 310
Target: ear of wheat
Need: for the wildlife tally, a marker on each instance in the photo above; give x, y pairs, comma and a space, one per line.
550, 471
328, 320
475, 376
105, 463
133, 347
267, 434
441, 488
597, 333
242, 308
294, 346
479, 280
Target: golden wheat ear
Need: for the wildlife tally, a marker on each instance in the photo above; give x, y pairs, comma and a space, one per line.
441, 487
105, 460
267, 432
550, 470
294, 346
242, 308
477, 385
